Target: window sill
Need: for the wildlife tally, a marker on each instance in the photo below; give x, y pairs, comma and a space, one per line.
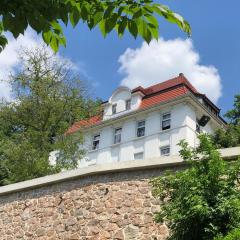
93, 150
139, 138
165, 130
91, 163
116, 144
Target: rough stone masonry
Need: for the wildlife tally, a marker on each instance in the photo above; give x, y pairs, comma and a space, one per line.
108, 206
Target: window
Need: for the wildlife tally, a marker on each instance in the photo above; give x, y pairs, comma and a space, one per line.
165, 151
117, 135
96, 141
128, 104
114, 108
166, 121
138, 156
140, 128
198, 128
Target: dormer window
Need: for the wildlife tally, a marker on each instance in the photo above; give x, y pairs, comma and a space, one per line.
114, 108
128, 104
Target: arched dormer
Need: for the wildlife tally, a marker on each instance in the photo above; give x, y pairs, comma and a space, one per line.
121, 102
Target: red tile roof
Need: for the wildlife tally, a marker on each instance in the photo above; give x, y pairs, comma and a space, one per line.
181, 79
149, 101
84, 123
155, 94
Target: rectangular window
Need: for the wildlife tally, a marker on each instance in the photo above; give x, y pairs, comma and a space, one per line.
117, 135
114, 108
165, 151
128, 104
140, 128
166, 121
96, 141
138, 156
198, 128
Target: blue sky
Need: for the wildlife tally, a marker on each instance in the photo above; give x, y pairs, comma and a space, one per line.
216, 33
210, 59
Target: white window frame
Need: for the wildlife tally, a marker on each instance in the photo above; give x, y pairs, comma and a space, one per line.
115, 140
165, 120
164, 148
95, 147
114, 108
128, 104
140, 127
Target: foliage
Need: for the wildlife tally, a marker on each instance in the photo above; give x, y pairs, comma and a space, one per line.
203, 200
227, 138
231, 136
234, 114
47, 98
139, 17
233, 235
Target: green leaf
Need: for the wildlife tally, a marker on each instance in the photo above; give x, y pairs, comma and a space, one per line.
47, 36
122, 26
144, 31
111, 23
151, 19
133, 29
172, 17
108, 11
154, 31
137, 14
74, 17
62, 41
3, 42
54, 44
102, 28
84, 12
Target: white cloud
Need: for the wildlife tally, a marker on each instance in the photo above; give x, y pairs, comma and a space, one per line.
9, 61
162, 60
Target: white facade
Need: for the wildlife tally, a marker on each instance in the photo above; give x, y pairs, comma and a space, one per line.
104, 147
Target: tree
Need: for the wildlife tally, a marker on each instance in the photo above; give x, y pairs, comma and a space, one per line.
230, 137
139, 17
202, 200
47, 98
232, 235
234, 114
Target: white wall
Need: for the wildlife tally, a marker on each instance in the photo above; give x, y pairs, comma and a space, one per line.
183, 125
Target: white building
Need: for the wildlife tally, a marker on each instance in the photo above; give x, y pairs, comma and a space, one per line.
145, 123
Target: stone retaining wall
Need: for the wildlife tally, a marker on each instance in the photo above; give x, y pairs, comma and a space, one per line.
109, 206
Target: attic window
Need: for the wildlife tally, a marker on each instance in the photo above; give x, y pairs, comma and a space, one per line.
128, 104
114, 108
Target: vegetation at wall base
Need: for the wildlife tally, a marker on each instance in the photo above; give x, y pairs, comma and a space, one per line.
233, 235
202, 201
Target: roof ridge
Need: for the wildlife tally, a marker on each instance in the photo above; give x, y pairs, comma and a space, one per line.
180, 79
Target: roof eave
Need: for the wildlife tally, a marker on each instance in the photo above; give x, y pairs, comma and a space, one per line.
155, 107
